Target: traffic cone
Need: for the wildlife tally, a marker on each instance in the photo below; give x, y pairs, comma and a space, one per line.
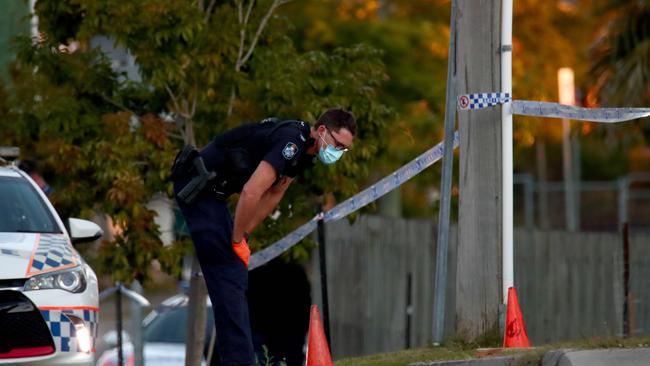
318, 352
515, 334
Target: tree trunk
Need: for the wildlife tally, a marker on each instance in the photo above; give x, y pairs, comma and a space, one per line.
196, 316
479, 274
197, 307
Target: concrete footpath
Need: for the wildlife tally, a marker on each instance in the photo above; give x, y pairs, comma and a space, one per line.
488, 361
565, 357
598, 357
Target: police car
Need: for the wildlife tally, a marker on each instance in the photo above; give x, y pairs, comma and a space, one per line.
48, 294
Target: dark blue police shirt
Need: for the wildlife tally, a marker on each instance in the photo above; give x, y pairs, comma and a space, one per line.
236, 153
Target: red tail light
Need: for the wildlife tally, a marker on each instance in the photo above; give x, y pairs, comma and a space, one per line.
28, 352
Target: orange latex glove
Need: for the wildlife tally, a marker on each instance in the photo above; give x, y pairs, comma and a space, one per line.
242, 250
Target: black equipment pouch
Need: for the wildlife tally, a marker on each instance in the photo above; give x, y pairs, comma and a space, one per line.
188, 162
183, 165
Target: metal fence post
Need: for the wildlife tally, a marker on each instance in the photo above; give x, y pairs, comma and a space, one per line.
137, 299
136, 327
118, 311
444, 217
529, 202
323, 280
623, 198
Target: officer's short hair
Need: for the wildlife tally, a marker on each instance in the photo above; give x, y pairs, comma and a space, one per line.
336, 119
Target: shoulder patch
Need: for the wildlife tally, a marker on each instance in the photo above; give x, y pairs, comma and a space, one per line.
290, 151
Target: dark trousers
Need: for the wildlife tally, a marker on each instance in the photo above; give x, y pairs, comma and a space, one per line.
225, 275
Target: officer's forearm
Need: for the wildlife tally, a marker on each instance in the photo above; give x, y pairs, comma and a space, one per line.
245, 213
269, 201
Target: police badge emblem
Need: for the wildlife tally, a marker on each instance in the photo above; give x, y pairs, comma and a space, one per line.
290, 151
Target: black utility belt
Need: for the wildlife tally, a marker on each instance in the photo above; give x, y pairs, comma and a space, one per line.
189, 163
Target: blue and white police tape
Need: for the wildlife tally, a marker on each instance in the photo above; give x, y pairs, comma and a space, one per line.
482, 100
353, 203
554, 110
602, 115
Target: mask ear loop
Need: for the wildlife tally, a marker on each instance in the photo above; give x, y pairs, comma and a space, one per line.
326, 144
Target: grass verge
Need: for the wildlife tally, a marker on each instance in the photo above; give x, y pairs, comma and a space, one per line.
459, 351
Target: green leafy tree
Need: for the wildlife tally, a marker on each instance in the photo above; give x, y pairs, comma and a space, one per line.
413, 37
61, 109
620, 65
205, 66
621, 53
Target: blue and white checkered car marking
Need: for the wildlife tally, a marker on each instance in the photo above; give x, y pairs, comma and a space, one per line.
63, 331
52, 252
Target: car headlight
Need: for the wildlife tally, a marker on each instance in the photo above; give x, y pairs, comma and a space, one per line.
73, 280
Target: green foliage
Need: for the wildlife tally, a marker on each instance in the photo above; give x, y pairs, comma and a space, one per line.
620, 63
413, 37
621, 55
106, 147
62, 110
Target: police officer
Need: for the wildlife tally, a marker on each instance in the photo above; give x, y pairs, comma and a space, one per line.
259, 161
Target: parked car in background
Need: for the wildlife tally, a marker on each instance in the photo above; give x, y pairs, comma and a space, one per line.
48, 294
279, 326
164, 334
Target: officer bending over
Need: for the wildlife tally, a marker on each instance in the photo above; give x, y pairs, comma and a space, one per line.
259, 161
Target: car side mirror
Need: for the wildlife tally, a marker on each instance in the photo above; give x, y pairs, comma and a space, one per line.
82, 231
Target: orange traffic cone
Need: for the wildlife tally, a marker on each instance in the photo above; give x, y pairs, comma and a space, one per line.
515, 335
318, 352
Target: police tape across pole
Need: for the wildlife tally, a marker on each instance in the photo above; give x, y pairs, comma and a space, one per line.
406, 172
353, 203
552, 110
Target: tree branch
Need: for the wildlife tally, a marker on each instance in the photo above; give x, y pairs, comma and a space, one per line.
243, 22
208, 11
242, 34
260, 28
175, 136
120, 106
248, 11
231, 102
194, 102
174, 100
179, 112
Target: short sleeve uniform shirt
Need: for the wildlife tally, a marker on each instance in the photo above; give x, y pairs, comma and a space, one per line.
237, 152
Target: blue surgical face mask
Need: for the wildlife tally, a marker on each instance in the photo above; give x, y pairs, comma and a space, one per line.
328, 154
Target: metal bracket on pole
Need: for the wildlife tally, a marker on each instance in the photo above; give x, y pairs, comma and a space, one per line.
442, 241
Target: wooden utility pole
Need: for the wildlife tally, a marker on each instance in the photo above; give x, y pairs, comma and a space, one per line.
478, 278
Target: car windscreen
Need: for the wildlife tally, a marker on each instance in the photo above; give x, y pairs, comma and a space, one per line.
169, 325
22, 209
